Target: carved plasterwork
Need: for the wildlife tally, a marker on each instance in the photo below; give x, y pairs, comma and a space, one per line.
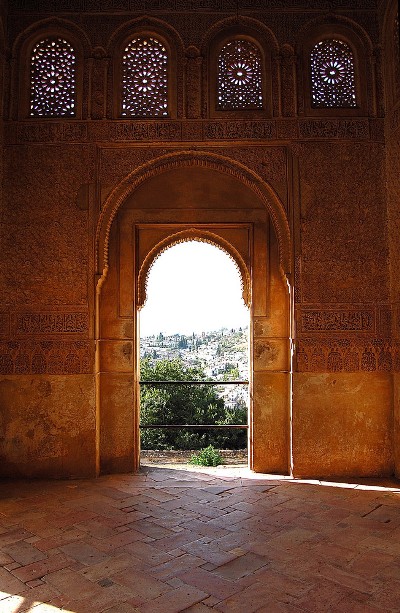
51, 6
193, 234
122, 131
46, 357
48, 324
347, 355
343, 224
192, 158
343, 320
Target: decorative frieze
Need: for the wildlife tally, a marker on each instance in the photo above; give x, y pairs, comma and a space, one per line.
51, 323
239, 129
46, 357
339, 320
190, 130
51, 6
43, 132
346, 355
357, 129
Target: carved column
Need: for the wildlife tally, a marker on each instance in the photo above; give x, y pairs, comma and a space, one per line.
194, 63
98, 69
288, 81
378, 97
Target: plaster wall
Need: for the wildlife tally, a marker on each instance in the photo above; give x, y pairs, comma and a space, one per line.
344, 424
47, 426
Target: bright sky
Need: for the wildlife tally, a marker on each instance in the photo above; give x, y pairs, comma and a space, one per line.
193, 287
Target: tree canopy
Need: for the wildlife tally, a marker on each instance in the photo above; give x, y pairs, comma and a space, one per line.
188, 404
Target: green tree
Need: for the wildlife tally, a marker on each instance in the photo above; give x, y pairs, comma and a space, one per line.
180, 404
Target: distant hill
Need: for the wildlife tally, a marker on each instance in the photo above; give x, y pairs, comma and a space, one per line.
223, 354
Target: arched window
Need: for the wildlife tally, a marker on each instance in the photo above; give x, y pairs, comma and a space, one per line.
144, 78
239, 76
53, 79
332, 75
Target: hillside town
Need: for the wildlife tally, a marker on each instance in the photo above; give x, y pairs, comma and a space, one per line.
221, 354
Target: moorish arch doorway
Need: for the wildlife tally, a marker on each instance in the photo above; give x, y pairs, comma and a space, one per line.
182, 196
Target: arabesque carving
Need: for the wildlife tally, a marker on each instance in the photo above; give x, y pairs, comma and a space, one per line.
46, 357
343, 320
51, 323
347, 355
192, 158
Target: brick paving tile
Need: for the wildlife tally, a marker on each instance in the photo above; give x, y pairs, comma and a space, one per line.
347, 605
96, 529
147, 553
322, 597
5, 559
336, 553
198, 608
174, 567
209, 552
234, 539
178, 539
34, 583
70, 582
151, 529
203, 509
12, 536
12, 566
241, 566
118, 540
205, 528
39, 569
102, 600
123, 607
84, 553
24, 553
208, 581
172, 521
199, 541
68, 536
178, 600
142, 586
10, 584
345, 579
387, 597
372, 563
108, 567
251, 599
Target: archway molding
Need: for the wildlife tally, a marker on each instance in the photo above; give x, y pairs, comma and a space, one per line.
202, 236
140, 175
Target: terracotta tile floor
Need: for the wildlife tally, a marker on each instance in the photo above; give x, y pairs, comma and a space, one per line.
169, 539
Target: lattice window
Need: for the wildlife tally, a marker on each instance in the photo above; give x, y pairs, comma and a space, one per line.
145, 78
53, 86
332, 75
239, 81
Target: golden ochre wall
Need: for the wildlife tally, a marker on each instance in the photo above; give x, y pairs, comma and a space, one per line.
306, 200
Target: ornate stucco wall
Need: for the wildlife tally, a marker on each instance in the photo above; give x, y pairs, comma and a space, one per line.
334, 175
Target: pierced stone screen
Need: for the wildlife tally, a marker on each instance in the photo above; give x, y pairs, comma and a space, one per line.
332, 75
53, 85
145, 79
239, 85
